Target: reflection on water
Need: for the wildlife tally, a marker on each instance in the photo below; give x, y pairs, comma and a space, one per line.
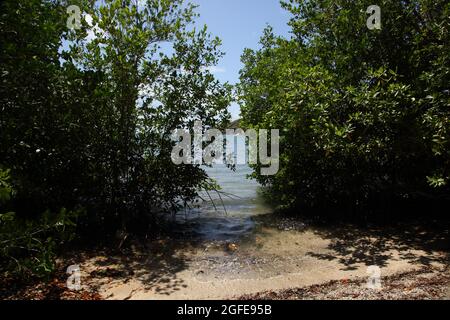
229, 216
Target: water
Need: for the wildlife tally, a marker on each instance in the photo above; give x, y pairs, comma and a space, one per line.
229, 216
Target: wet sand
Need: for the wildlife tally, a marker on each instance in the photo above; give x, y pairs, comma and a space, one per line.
274, 257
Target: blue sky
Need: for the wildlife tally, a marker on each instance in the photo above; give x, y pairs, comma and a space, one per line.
239, 23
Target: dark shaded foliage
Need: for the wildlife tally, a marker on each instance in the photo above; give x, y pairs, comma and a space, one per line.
365, 114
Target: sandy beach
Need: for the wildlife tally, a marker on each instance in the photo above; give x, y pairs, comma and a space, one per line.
274, 257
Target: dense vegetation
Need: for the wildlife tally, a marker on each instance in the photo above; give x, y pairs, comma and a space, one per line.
87, 115
365, 114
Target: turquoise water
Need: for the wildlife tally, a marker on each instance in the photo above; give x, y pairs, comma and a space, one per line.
240, 195
229, 215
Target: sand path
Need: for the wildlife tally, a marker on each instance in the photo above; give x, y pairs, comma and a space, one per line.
268, 259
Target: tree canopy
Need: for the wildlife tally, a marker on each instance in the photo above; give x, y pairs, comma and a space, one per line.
87, 113
364, 113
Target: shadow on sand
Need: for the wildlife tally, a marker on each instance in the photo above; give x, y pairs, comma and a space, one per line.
154, 265
421, 244
157, 265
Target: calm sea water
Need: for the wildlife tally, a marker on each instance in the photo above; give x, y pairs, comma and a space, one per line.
228, 216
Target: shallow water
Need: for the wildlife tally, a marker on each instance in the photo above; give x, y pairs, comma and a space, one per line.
229, 216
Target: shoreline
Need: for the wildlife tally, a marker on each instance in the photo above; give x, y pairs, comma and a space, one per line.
281, 254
